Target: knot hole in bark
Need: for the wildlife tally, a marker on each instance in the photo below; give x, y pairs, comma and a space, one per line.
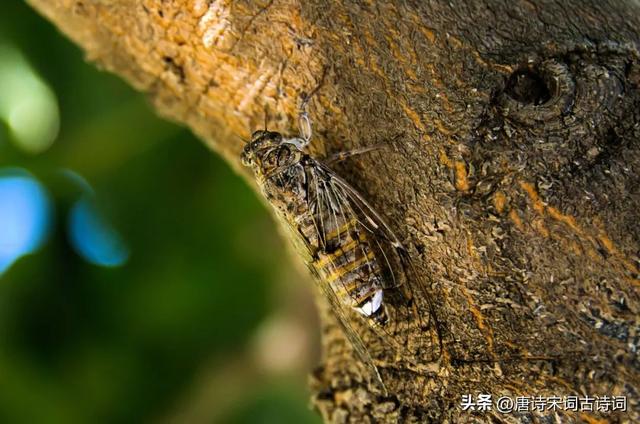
527, 87
538, 93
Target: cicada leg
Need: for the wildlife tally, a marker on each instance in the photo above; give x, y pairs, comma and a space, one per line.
339, 157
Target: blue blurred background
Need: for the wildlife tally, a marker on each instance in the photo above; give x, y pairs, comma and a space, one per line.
140, 279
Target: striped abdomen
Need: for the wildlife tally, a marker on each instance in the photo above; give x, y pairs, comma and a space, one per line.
347, 262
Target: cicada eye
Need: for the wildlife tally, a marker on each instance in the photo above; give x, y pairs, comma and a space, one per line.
277, 137
246, 157
257, 135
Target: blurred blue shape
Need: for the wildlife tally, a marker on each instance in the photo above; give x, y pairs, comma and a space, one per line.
25, 215
92, 236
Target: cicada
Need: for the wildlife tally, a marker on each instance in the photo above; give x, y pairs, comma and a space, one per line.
357, 260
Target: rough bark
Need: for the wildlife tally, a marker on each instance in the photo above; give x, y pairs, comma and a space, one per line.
511, 171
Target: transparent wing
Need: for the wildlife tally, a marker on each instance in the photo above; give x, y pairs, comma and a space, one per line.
353, 337
412, 330
308, 247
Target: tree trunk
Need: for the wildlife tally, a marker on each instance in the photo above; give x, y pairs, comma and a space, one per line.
511, 170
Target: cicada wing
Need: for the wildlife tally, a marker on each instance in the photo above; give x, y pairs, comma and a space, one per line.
308, 247
352, 336
412, 328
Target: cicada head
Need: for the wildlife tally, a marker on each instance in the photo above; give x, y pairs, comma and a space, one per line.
268, 153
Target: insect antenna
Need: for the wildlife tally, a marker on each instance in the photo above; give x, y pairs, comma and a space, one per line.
266, 115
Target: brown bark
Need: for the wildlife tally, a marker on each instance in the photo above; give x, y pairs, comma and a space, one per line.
511, 171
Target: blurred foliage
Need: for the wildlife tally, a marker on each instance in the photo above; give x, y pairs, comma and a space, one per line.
83, 343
